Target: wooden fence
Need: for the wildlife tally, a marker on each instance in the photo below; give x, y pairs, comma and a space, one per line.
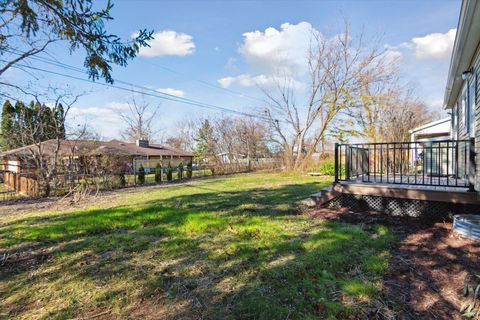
21, 184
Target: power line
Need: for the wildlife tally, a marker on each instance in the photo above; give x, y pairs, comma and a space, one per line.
61, 64
172, 97
208, 84
163, 96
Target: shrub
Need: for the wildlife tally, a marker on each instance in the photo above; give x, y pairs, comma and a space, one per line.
471, 291
189, 169
328, 168
158, 173
169, 171
141, 175
180, 170
122, 181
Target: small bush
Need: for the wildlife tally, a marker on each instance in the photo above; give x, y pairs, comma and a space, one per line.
471, 291
141, 175
189, 169
158, 173
122, 181
328, 168
180, 171
169, 171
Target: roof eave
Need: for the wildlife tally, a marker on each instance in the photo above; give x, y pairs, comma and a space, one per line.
464, 49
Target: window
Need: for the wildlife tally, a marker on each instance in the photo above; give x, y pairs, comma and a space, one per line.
471, 106
454, 116
463, 106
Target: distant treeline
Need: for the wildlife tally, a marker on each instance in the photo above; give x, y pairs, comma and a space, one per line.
23, 124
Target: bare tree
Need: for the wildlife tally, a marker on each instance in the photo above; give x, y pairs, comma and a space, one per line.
139, 120
336, 67
184, 135
403, 112
237, 138
45, 155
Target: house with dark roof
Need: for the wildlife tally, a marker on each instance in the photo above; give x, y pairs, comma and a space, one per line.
77, 155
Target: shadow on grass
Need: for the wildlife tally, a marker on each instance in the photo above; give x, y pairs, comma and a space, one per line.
428, 264
211, 254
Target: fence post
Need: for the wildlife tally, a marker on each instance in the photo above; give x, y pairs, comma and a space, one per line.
471, 166
336, 162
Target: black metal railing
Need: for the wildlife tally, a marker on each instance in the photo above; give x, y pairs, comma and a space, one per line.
449, 163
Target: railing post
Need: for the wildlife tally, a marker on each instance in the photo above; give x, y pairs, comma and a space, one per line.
348, 152
336, 162
471, 165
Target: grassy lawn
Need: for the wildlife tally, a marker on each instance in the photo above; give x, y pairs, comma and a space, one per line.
226, 248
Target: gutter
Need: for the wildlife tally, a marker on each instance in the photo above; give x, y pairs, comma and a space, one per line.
465, 47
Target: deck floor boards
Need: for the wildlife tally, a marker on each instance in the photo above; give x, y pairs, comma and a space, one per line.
411, 182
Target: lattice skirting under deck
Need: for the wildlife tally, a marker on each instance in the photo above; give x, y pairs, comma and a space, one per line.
402, 207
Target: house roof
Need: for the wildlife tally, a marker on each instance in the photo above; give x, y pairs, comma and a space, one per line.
466, 45
91, 147
430, 124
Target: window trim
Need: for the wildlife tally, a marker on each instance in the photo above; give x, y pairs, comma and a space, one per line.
463, 104
471, 103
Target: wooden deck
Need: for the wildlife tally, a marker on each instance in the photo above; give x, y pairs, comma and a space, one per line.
411, 182
444, 191
427, 193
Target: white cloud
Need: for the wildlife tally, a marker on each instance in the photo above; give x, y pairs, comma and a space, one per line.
431, 46
392, 55
263, 81
173, 92
435, 45
168, 43
105, 120
226, 82
278, 51
121, 106
231, 64
246, 80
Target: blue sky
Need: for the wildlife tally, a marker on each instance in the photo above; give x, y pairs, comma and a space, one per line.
223, 43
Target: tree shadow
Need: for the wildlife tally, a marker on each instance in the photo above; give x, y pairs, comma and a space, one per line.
211, 254
428, 265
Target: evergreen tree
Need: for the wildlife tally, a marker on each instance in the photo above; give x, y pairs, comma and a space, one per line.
7, 125
169, 171
158, 173
33, 123
141, 175
205, 141
180, 171
189, 169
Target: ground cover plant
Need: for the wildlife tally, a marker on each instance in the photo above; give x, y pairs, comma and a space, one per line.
233, 247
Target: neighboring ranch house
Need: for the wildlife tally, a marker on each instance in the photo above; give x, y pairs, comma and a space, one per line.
76, 155
438, 171
435, 131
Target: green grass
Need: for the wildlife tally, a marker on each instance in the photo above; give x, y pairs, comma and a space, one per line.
225, 248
